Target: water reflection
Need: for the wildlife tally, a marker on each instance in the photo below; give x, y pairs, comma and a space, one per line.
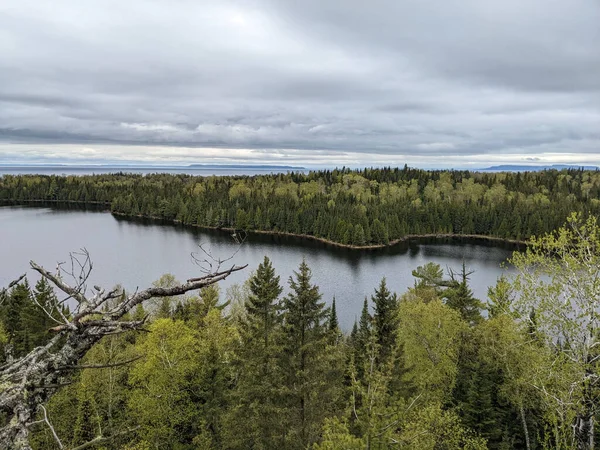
135, 253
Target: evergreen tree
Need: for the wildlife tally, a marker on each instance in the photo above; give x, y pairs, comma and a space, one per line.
255, 418
85, 426
33, 317
19, 300
333, 324
262, 307
362, 337
460, 297
385, 320
354, 333
305, 338
364, 327
333, 320
500, 298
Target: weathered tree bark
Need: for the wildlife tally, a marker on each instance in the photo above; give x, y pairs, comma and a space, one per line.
29, 382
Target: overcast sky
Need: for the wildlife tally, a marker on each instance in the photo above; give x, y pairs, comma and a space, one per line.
444, 83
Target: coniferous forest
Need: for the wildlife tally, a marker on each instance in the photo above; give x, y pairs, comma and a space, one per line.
343, 206
183, 365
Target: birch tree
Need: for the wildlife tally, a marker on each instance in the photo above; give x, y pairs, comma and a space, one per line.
559, 279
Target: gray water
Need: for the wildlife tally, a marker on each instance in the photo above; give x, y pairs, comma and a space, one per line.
140, 170
134, 254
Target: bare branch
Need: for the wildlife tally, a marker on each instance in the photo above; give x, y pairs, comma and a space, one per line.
208, 263
99, 366
60, 444
100, 439
15, 282
59, 283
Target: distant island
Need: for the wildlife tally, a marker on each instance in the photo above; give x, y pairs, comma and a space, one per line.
524, 168
243, 166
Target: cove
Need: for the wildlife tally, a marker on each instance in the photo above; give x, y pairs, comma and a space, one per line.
134, 253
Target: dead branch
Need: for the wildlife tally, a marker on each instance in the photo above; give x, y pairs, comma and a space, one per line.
100, 439
49, 425
209, 263
99, 366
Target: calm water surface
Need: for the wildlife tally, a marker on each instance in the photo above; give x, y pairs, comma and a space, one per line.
135, 254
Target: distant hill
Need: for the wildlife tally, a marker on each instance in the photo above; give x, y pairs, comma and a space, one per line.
517, 168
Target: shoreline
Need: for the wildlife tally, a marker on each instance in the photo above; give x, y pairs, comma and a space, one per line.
407, 238
392, 243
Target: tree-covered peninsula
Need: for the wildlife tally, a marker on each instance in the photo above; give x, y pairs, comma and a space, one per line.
348, 207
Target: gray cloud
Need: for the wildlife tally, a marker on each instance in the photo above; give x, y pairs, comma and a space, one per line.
342, 80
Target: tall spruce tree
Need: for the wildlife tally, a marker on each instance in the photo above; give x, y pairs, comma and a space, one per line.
361, 334
460, 297
364, 327
385, 320
254, 420
18, 301
334, 325
262, 308
305, 340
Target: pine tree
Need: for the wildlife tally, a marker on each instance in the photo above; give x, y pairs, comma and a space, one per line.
305, 338
385, 320
353, 334
262, 308
33, 317
460, 297
86, 426
18, 301
361, 338
334, 325
255, 419
364, 326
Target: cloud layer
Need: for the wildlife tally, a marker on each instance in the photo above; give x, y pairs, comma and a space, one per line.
343, 81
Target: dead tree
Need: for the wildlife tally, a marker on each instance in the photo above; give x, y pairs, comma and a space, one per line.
27, 383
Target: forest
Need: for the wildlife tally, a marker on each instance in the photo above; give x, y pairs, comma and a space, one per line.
369, 207
187, 366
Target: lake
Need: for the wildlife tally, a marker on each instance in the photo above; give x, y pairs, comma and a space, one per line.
136, 253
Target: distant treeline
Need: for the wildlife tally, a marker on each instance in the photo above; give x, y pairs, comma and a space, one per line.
349, 207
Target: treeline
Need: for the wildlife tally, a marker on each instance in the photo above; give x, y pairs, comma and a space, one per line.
349, 207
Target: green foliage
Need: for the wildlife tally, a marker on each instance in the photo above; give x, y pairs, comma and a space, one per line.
435, 428
333, 324
385, 320
500, 298
336, 436
306, 361
460, 298
431, 336
161, 400
25, 324
352, 207
255, 420
558, 280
